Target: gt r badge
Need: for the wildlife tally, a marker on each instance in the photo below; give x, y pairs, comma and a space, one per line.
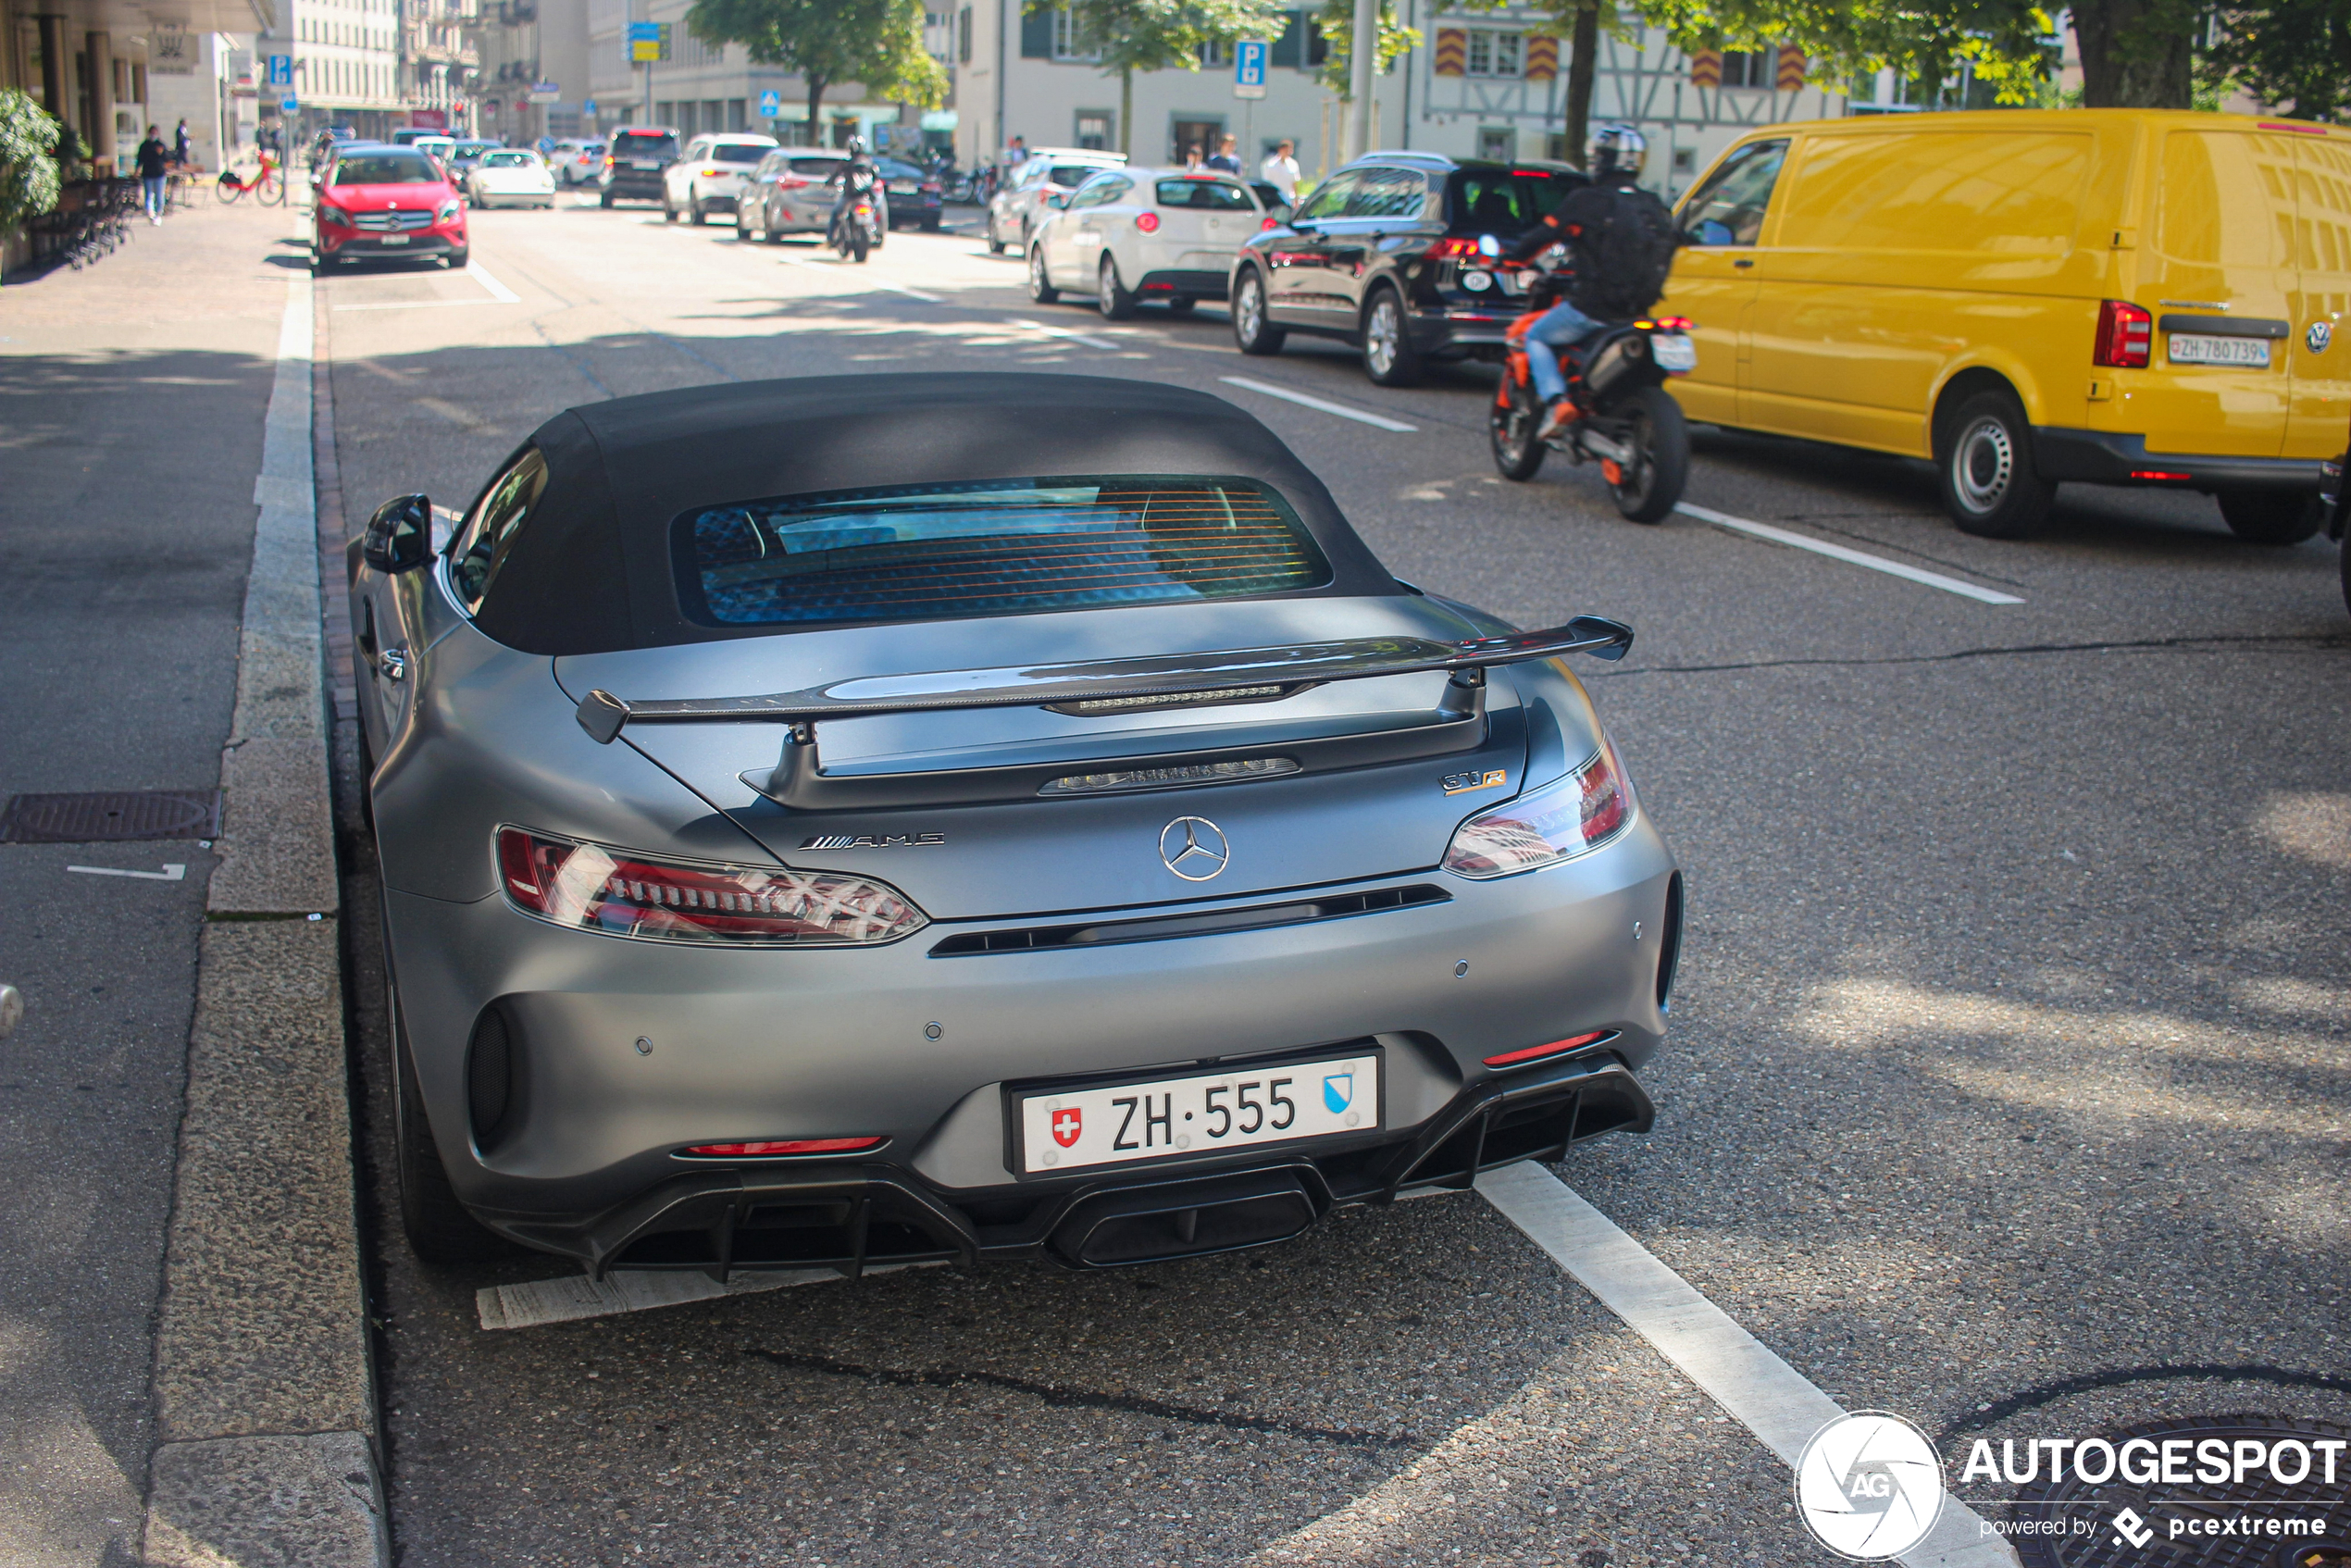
1463, 783
1067, 1124
2321, 334
1339, 1091
871, 841
1194, 848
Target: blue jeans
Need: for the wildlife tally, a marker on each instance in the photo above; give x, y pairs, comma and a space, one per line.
153, 184
1560, 327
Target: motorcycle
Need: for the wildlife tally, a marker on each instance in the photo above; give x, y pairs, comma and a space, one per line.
1623, 418
857, 232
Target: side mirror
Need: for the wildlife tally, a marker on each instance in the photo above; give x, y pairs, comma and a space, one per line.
1057, 200
399, 536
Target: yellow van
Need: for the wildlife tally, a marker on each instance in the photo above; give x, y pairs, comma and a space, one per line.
2114, 296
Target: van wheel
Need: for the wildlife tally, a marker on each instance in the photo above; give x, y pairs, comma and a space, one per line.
2272, 516
1984, 454
1389, 356
1252, 330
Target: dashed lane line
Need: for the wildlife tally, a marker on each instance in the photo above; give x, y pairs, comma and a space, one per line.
1845, 553
1063, 332
1757, 1388
1380, 421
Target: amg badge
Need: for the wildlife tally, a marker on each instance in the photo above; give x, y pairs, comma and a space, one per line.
871, 841
1463, 783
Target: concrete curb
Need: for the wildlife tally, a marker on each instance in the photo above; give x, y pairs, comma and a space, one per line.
265, 1390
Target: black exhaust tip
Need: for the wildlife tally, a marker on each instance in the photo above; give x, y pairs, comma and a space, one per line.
1155, 1224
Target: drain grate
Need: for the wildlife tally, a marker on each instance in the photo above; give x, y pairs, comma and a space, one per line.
2201, 1513
111, 816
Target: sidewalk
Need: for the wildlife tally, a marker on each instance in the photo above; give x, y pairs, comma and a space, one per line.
134, 398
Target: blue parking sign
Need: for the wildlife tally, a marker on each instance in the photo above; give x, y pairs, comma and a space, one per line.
281, 70
1249, 57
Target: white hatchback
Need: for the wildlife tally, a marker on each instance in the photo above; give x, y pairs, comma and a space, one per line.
1147, 236
576, 163
511, 177
708, 177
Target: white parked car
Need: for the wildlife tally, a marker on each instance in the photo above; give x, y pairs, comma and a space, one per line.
511, 177
575, 162
1147, 236
708, 176
1019, 203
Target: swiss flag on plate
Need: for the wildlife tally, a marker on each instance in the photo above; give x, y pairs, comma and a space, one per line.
1066, 1126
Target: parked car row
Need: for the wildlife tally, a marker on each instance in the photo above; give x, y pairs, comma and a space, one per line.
770, 189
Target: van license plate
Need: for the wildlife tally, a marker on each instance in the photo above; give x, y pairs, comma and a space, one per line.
2187, 350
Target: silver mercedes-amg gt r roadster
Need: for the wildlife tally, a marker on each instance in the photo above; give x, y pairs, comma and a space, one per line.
873, 819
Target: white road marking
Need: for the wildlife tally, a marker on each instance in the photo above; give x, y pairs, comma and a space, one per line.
488, 279
575, 1296
910, 293
1858, 557
1382, 420
173, 871
1065, 332
499, 295
1761, 1392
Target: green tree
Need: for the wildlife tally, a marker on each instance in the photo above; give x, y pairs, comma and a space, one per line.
28, 171
2292, 54
1338, 24
876, 43
1125, 36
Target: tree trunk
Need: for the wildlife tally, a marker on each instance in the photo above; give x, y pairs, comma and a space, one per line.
2136, 53
1581, 64
817, 85
1127, 110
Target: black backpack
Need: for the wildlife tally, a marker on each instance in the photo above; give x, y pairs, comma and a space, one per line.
1626, 256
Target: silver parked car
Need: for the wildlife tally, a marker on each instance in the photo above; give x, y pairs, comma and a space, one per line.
1059, 835
793, 191
1015, 210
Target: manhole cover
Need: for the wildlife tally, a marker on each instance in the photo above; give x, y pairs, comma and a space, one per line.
111, 816
2193, 1521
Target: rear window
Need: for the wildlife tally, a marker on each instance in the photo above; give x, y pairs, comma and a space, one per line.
508, 160
1211, 195
1496, 200
644, 146
1073, 174
817, 166
997, 548
738, 152
386, 168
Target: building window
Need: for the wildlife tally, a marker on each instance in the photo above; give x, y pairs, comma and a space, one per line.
1747, 68
964, 35
1094, 128
1498, 144
1493, 53
1215, 55
1070, 42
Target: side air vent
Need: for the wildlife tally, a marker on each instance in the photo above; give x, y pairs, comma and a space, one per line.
1037, 938
491, 1075
1669, 942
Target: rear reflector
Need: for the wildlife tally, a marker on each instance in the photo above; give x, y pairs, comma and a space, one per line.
1537, 1052
2158, 474
784, 1146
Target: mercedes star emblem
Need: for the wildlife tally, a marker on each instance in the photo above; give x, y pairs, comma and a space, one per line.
1194, 848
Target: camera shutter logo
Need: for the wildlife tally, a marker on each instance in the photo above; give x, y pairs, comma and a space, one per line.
1869, 1486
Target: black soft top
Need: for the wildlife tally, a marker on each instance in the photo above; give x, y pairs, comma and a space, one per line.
590, 571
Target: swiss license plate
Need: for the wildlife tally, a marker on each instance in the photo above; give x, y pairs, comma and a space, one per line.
395, 240
1199, 1113
1675, 353
2193, 349
639, 163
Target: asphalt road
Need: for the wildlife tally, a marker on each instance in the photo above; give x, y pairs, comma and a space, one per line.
2008, 1078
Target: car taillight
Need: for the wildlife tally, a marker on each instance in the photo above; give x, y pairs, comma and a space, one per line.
1537, 1053
607, 160
1459, 248
623, 894
712, 173
770, 1147
933, 186
2127, 335
1269, 225
1148, 222
1547, 826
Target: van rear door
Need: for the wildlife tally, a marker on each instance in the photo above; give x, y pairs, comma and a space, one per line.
2219, 280
2319, 344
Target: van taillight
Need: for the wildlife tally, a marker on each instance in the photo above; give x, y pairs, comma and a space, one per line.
2127, 335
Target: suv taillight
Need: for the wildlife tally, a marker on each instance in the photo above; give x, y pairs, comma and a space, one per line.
2127, 335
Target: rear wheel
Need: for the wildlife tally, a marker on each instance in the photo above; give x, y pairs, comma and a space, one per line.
1389, 356
604, 200
1040, 289
2272, 516
668, 212
440, 1229
1113, 298
1647, 488
743, 228
1517, 455
930, 225
1984, 457
694, 213
1252, 329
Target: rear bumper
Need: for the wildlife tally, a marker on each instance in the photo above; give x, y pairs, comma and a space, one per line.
1183, 283
635, 187
2098, 457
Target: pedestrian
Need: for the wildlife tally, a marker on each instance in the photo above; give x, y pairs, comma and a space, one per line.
154, 162
1228, 155
1016, 155
1193, 159
1281, 171
179, 145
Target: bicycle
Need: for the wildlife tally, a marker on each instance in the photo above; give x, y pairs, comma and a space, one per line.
268, 186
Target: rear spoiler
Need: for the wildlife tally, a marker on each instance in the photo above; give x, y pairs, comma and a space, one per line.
1121, 685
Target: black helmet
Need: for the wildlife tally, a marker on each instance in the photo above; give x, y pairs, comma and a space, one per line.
1615, 149
856, 146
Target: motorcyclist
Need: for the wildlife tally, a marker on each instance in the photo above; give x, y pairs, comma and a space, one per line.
858, 179
1613, 159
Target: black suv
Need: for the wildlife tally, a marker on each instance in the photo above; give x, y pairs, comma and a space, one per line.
634, 159
1384, 254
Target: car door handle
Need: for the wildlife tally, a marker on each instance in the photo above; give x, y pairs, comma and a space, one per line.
392, 664
1744, 262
